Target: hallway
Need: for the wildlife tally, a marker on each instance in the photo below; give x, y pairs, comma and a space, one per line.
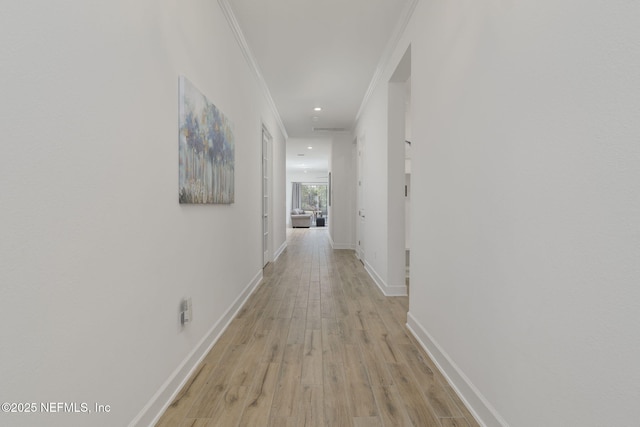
317, 344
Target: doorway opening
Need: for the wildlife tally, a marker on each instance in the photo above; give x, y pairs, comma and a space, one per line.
399, 174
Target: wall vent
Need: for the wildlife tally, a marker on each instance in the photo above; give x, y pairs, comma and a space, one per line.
329, 129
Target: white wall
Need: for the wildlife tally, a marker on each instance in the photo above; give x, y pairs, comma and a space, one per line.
526, 205
96, 253
343, 178
396, 202
372, 129
279, 193
383, 180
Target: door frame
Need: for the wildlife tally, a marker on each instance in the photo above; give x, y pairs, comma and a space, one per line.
360, 198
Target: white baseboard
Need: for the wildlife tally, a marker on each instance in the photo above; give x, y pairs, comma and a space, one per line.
484, 413
153, 410
342, 246
389, 291
279, 251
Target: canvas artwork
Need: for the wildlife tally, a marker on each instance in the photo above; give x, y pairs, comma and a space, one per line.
207, 149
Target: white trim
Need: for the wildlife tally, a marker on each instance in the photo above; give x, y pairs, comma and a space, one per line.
389, 291
153, 410
343, 246
407, 13
484, 413
279, 251
227, 10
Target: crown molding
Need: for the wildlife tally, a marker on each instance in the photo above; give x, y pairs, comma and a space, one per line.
248, 56
398, 32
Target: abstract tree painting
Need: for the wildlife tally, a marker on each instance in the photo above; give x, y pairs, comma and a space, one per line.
207, 149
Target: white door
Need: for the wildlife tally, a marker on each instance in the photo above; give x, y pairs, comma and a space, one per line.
360, 223
266, 143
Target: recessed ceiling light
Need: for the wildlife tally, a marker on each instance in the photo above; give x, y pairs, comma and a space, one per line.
309, 148
317, 109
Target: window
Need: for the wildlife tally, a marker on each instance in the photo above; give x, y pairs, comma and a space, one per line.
313, 197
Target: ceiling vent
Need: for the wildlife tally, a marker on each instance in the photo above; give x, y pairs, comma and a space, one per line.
329, 129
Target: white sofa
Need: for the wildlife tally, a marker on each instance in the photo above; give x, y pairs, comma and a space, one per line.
300, 218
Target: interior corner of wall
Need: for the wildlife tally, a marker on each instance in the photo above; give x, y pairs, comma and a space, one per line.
473, 399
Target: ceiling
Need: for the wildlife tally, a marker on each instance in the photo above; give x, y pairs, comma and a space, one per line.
321, 53
314, 161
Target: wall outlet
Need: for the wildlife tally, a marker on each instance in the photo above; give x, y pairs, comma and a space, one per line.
186, 313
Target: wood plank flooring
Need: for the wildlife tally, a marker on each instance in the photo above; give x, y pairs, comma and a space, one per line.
317, 344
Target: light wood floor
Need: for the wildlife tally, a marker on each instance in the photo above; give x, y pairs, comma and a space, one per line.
317, 344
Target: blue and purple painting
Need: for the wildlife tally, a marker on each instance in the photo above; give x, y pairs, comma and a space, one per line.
207, 149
